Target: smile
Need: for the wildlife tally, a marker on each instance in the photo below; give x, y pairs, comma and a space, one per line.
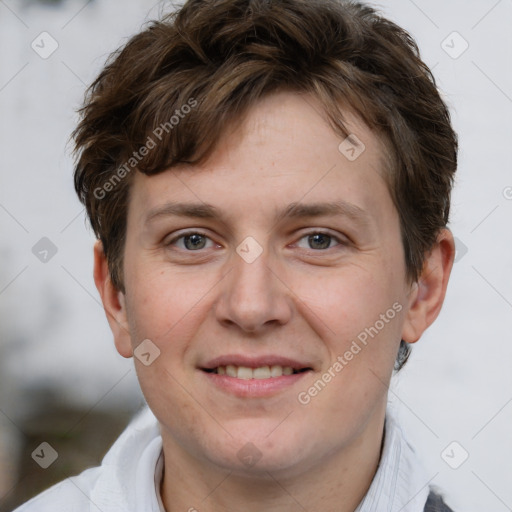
260, 373
254, 377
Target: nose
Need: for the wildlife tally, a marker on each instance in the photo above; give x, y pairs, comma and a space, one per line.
253, 296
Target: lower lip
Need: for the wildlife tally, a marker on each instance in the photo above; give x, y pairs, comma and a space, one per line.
254, 387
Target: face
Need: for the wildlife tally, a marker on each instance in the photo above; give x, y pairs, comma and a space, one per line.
271, 279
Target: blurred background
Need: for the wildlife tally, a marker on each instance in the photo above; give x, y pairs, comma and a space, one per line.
61, 380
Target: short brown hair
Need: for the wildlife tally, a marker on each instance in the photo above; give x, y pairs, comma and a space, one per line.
219, 58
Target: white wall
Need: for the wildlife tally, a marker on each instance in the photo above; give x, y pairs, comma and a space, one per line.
53, 334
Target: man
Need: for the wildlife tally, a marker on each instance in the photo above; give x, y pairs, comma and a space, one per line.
270, 185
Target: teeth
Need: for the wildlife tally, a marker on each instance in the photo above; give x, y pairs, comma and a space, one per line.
276, 371
261, 373
245, 373
231, 371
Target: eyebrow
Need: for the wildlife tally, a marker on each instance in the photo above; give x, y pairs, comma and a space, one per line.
292, 211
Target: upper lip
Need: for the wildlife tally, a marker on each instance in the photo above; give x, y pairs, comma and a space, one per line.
254, 362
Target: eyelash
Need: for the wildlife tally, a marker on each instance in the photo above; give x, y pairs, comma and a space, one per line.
195, 232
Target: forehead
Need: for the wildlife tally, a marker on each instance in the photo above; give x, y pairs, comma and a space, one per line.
283, 152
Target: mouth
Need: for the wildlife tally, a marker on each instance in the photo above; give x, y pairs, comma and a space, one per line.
248, 377
260, 372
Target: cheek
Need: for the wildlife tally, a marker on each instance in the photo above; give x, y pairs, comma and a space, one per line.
349, 301
166, 303
359, 319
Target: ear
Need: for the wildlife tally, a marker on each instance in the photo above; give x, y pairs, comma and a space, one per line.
427, 295
114, 302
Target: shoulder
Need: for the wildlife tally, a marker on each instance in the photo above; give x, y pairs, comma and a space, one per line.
70, 495
124, 482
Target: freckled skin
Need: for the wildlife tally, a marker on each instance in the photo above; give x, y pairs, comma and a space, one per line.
294, 300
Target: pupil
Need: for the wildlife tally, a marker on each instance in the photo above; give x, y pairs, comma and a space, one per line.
320, 238
195, 241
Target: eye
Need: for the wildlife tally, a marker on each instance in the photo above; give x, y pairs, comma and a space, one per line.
191, 241
320, 241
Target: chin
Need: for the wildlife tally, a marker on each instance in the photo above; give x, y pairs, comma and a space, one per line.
252, 462
254, 452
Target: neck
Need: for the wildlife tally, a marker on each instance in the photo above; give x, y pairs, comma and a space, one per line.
337, 482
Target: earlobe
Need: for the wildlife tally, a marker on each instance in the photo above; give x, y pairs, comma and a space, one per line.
427, 295
114, 302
